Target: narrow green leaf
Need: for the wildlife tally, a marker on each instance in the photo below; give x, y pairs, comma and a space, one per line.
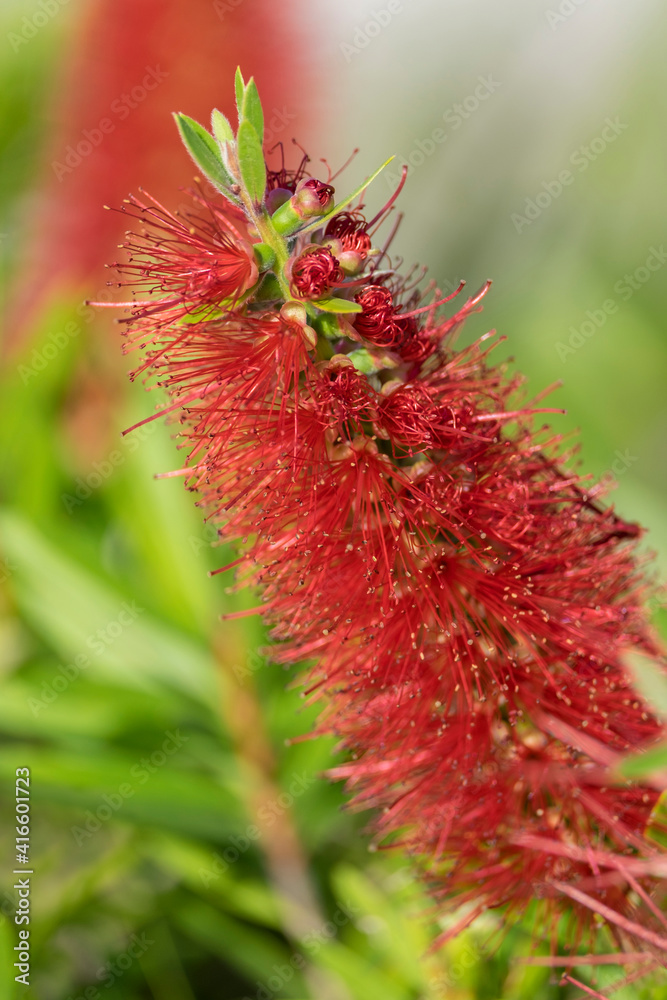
222, 130
239, 87
318, 223
251, 161
203, 149
255, 952
642, 765
337, 305
657, 824
252, 109
206, 807
147, 654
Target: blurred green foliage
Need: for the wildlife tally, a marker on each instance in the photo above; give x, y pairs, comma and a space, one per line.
120, 689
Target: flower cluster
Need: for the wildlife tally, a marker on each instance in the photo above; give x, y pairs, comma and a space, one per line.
465, 598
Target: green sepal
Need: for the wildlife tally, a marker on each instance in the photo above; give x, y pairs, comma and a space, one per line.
324, 219
363, 361
264, 255
221, 128
251, 161
239, 87
285, 220
269, 289
337, 305
328, 325
204, 151
252, 109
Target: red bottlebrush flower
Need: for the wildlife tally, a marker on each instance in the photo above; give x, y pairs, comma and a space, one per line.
314, 273
196, 261
465, 602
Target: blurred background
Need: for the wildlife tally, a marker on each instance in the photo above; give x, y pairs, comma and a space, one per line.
181, 849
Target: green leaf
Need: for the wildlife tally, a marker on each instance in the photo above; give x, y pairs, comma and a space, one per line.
191, 863
239, 87
222, 130
252, 109
337, 305
642, 765
253, 951
67, 617
323, 220
657, 824
251, 161
207, 808
204, 150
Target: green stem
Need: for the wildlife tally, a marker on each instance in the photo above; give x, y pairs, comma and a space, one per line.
274, 240
268, 235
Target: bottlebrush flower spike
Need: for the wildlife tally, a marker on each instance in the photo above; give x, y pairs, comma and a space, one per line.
464, 599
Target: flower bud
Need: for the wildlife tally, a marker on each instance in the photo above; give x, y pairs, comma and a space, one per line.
311, 200
313, 273
347, 231
351, 261
294, 313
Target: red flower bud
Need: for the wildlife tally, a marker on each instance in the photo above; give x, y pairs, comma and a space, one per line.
376, 322
314, 273
351, 231
312, 198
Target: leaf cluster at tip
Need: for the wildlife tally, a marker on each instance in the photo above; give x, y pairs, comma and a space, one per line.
225, 159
